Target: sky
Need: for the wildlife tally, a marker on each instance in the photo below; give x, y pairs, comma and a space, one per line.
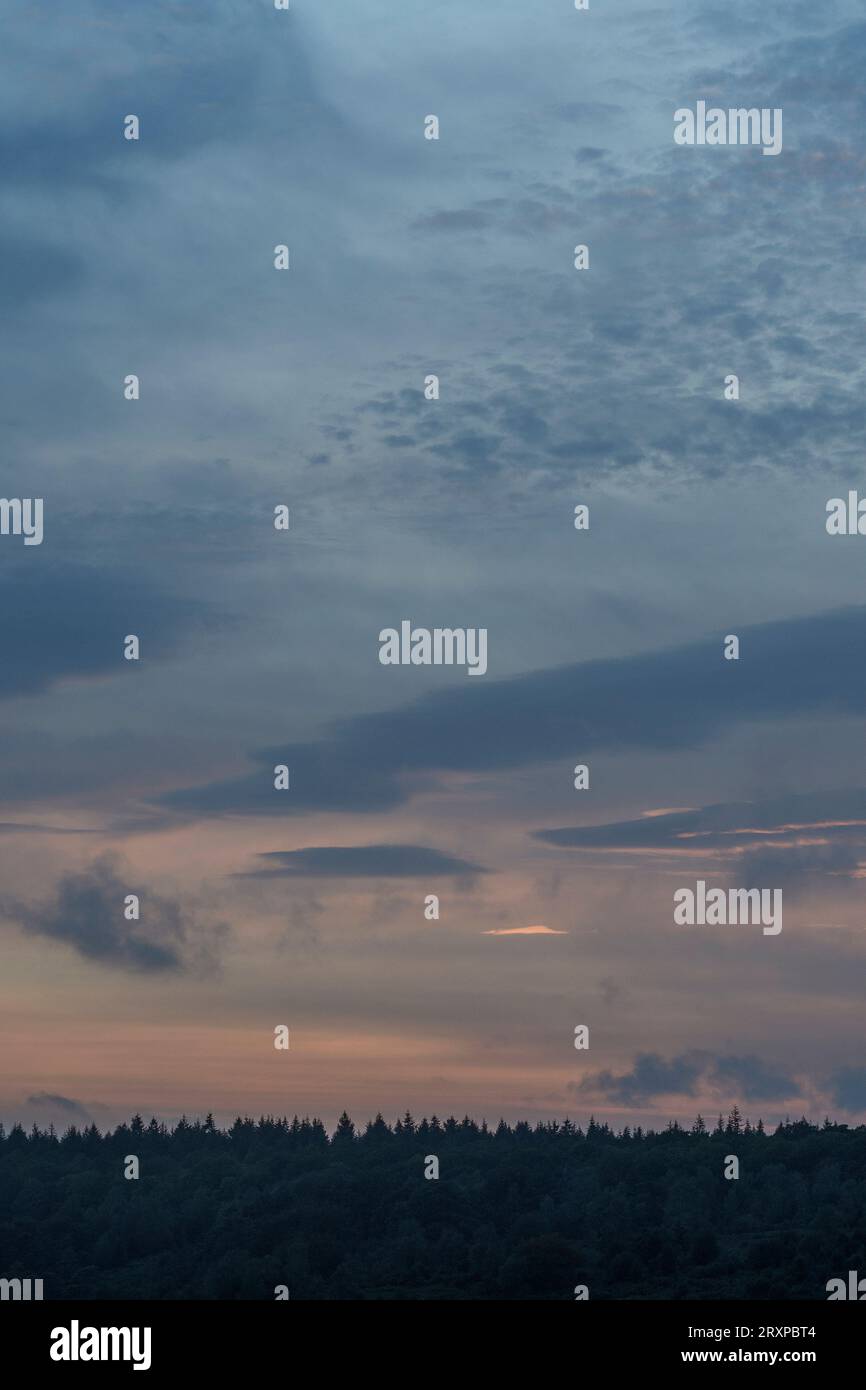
259, 647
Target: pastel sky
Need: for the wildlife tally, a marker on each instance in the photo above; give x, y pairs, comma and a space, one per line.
305, 388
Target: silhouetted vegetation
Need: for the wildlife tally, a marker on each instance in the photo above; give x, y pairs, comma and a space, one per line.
517, 1212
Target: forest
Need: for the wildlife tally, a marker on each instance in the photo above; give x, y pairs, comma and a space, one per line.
281, 1208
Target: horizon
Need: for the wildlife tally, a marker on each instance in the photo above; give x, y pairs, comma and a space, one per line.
481, 1123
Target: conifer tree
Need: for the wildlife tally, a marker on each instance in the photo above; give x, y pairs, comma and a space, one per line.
345, 1129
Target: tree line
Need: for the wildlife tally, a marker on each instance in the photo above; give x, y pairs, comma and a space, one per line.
518, 1211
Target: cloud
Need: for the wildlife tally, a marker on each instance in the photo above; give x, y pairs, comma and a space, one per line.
363, 861
831, 814
524, 931
688, 1074
650, 1077
838, 811
71, 1109
798, 867
657, 701
87, 913
789, 840
752, 1079
70, 620
193, 80
332, 776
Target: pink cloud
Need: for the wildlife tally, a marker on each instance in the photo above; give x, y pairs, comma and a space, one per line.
524, 931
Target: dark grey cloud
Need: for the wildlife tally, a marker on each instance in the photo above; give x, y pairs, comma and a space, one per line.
658, 702
331, 776
87, 914
61, 619
752, 1079
363, 861
653, 1076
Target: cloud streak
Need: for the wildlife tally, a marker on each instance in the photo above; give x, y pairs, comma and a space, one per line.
363, 861
657, 702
